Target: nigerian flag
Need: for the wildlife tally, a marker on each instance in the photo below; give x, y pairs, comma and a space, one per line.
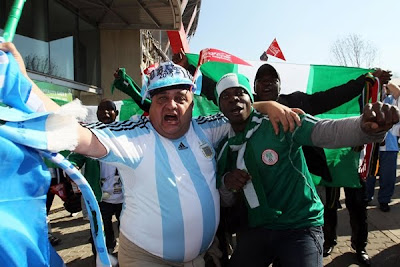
343, 163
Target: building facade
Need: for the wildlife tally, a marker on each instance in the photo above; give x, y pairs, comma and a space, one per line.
72, 47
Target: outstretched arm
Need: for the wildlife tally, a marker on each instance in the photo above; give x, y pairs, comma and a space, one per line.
370, 127
88, 144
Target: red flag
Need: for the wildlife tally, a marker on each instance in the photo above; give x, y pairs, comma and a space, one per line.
275, 50
178, 40
211, 54
369, 161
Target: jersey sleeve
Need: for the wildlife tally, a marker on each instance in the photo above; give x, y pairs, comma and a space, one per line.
302, 134
122, 140
216, 127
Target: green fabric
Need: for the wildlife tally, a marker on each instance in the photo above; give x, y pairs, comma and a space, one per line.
51, 164
92, 172
128, 109
343, 166
242, 82
126, 84
202, 107
59, 102
342, 163
262, 214
214, 70
291, 200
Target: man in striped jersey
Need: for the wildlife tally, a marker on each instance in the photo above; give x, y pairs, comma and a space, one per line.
285, 214
167, 166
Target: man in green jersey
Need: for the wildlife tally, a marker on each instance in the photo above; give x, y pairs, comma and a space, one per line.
284, 212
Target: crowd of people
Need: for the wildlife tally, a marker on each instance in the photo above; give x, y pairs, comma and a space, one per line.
167, 177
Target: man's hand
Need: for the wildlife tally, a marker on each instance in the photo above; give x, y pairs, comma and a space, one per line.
378, 117
181, 59
394, 89
9, 47
236, 179
278, 113
384, 76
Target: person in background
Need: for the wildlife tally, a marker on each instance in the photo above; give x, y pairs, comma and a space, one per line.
285, 214
267, 86
208, 85
167, 165
388, 151
104, 180
56, 178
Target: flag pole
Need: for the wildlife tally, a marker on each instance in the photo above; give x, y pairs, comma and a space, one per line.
12, 21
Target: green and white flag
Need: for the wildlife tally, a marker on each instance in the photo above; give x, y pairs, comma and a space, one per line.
343, 163
310, 79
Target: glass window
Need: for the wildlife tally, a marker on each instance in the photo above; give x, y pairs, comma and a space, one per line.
88, 54
54, 41
63, 31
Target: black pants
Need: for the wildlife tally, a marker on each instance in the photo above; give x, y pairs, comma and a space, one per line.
107, 211
356, 203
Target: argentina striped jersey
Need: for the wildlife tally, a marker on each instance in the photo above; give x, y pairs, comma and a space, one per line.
171, 204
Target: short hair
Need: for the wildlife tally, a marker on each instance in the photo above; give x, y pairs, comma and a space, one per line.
108, 100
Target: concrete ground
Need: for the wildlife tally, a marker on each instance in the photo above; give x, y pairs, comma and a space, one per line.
383, 239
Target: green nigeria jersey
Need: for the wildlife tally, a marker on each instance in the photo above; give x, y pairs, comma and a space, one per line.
286, 181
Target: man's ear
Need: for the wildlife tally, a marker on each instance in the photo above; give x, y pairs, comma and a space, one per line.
116, 112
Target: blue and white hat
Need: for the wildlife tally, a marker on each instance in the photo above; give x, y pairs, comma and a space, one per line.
167, 76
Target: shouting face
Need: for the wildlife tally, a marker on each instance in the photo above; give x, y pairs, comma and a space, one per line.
235, 103
171, 112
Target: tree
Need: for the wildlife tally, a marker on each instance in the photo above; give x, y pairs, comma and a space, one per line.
353, 51
40, 64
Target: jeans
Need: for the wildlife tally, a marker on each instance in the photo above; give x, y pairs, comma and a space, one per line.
258, 247
387, 177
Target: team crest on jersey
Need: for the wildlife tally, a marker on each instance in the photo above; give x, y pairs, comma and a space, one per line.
269, 157
207, 150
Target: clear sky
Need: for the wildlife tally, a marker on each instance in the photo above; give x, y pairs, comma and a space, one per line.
305, 30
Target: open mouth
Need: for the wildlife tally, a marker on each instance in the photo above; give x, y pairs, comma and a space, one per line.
236, 110
171, 118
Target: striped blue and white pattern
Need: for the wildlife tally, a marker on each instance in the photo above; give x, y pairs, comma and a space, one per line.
90, 202
27, 180
171, 202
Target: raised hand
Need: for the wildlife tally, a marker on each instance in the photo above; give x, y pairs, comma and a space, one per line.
383, 75
378, 117
278, 113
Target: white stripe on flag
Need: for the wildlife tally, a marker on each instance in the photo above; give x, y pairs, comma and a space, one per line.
294, 77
